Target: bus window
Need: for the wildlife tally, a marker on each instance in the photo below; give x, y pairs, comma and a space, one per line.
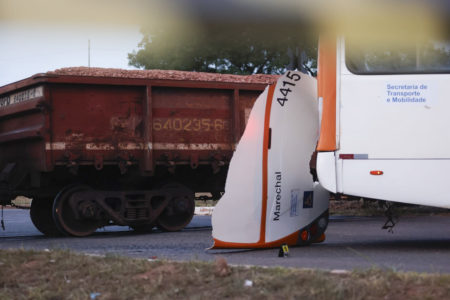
432, 56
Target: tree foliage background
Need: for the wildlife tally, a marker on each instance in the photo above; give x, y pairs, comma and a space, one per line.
224, 49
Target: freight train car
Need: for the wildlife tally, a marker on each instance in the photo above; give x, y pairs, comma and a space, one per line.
95, 147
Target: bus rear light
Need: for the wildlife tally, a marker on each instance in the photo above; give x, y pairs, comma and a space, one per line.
304, 235
376, 172
354, 156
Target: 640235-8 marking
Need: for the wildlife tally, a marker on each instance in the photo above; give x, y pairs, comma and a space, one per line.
284, 89
188, 124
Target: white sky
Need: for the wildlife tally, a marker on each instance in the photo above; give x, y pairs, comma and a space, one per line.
30, 48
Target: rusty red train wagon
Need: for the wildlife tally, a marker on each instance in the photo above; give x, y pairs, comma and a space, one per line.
95, 147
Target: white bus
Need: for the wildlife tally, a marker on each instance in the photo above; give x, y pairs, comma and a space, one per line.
385, 119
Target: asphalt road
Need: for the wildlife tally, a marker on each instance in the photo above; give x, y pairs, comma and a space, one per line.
420, 243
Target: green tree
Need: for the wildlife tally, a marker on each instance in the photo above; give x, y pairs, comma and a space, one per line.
238, 50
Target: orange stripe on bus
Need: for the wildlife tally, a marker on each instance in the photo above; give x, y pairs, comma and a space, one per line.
326, 84
262, 234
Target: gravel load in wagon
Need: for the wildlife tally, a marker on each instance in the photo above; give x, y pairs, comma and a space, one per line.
165, 75
95, 147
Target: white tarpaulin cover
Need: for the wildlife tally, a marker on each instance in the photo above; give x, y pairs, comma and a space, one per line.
270, 198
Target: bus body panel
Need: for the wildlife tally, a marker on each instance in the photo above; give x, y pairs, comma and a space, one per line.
422, 182
326, 170
397, 124
373, 122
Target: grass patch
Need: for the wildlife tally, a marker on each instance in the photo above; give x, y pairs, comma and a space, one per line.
28, 274
349, 206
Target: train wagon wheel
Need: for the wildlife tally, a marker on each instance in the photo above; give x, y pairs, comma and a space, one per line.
66, 218
179, 211
41, 214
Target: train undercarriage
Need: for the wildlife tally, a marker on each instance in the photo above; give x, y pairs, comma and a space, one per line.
79, 210
66, 204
